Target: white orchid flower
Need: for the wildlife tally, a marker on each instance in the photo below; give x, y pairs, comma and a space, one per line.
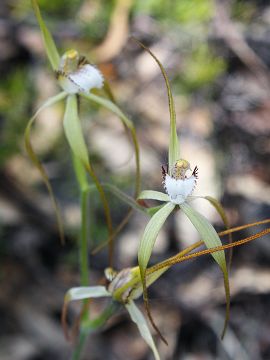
179, 187
75, 75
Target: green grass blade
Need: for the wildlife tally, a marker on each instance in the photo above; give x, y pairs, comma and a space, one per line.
174, 150
48, 41
211, 239
32, 155
138, 318
153, 195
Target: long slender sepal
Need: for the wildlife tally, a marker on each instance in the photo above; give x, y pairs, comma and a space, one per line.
145, 249
211, 239
153, 195
219, 208
74, 134
32, 155
48, 41
138, 318
174, 150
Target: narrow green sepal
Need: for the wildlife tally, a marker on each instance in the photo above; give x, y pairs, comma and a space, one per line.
48, 41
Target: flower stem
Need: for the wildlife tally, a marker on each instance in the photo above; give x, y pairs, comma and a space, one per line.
84, 263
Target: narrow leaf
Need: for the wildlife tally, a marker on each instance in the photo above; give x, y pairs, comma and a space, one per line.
174, 151
211, 239
153, 195
138, 318
48, 41
32, 155
73, 130
86, 292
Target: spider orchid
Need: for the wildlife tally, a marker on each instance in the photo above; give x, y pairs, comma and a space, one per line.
123, 288
77, 78
178, 187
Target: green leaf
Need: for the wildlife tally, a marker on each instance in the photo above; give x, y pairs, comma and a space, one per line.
48, 41
73, 130
150, 234
174, 151
211, 239
138, 318
86, 292
32, 155
153, 195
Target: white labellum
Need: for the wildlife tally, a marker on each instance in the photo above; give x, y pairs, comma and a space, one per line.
177, 189
82, 80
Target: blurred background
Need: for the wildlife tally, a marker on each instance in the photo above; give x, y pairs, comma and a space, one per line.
217, 55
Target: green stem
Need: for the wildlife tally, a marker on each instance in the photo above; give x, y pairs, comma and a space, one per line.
79, 346
84, 265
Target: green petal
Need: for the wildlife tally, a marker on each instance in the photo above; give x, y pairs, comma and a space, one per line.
150, 234
86, 292
211, 239
153, 195
219, 208
32, 155
73, 130
48, 41
138, 318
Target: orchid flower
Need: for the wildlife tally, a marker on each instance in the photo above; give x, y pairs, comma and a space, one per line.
179, 187
77, 78
124, 287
